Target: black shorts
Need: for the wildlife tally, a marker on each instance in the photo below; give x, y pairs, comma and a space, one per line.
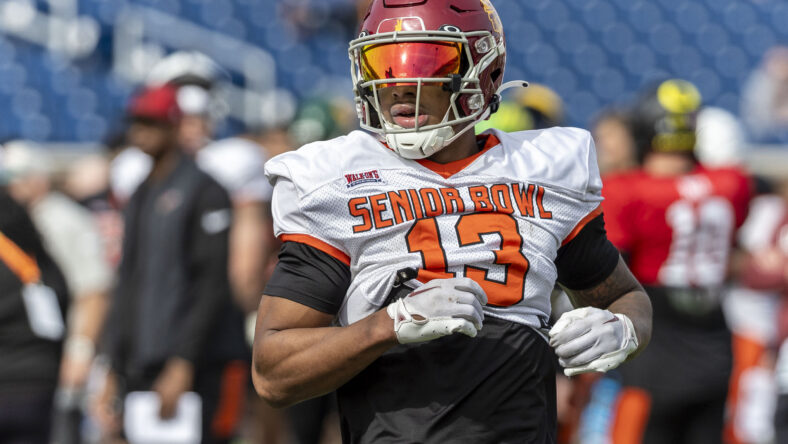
496, 388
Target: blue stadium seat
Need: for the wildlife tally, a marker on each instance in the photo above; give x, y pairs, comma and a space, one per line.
589, 58
708, 83
739, 17
665, 38
520, 36
37, 127
691, 16
26, 102
81, 101
599, 15
608, 84
568, 36
563, 80
779, 17
592, 52
617, 37
90, 127
581, 106
686, 61
758, 39
644, 15
510, 10
12, 77
711, 38
552, 15
540, 57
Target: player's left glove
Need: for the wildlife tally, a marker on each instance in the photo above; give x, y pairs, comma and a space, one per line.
589, 339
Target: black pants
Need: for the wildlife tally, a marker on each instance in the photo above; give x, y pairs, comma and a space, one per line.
26, 415
306, 419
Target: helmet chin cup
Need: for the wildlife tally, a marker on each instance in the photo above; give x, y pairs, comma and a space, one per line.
419, 144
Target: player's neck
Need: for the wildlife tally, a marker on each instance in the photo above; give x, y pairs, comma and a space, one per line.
464, 146
668, 164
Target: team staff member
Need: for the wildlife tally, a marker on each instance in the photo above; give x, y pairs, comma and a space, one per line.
30, 354
173, 325
469, 232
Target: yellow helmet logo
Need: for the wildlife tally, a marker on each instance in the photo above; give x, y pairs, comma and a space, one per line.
492, 15
678, 96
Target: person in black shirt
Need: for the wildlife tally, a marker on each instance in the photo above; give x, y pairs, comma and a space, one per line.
29, 357
173, 326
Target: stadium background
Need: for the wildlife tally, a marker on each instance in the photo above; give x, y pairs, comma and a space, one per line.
68, 66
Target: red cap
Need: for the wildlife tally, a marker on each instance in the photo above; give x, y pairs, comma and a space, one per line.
156, 103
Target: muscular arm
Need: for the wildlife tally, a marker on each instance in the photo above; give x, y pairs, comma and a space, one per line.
620, 293
298, 356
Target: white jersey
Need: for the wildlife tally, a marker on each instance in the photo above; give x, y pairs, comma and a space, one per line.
498, 217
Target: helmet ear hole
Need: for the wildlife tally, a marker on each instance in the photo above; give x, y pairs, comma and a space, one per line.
495, 75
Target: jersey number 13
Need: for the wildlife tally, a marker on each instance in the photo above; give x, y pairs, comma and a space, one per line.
424, 238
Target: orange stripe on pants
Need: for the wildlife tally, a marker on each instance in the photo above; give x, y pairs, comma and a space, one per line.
231, 399
632, 412
747, 353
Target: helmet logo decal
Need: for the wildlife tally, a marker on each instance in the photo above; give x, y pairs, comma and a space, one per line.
398, 27
492, 15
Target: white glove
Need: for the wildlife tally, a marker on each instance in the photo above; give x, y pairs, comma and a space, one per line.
592, 340
439, 308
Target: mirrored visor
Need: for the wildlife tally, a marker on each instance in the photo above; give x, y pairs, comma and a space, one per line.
409, 60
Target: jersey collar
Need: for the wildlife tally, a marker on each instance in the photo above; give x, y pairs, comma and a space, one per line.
447, 170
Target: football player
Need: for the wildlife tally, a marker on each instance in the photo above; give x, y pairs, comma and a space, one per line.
418, 259
675, 220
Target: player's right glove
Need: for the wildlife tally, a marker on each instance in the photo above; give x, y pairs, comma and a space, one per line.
439, 308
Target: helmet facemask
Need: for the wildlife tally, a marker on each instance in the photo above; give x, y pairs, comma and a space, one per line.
422, 60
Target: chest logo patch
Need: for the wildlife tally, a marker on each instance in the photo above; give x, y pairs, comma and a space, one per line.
359, 178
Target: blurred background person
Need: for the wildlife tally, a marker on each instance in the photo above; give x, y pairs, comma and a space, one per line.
615, 143
755, 311
73, 240
174, 327
675, 221
235, 162
765, 271
764, 102
31, 353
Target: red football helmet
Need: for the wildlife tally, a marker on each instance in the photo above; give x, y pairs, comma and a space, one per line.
458, 44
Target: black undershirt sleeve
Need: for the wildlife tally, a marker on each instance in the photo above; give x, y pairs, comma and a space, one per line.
310, 277
588, 259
